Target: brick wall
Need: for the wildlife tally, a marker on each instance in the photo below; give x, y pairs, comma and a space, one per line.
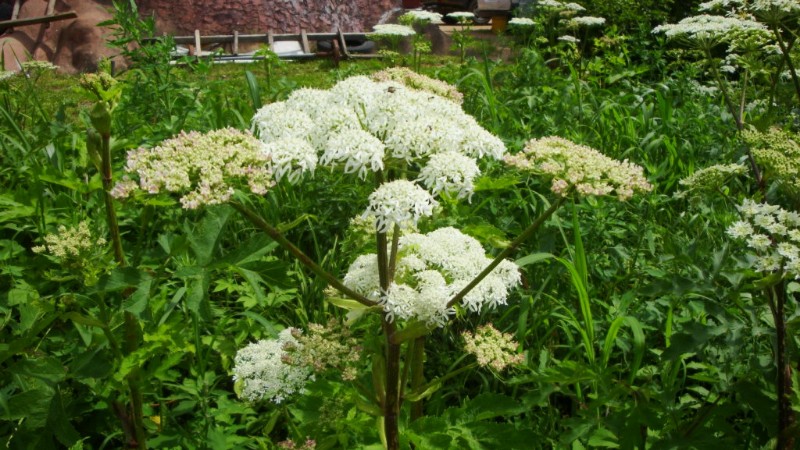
258, 16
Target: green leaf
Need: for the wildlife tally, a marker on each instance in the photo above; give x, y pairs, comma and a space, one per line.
533, 258
253, 89
489, 406
204, 239
120, 278
603, 438
137, 302
83, 320
197, 293
415, 396
346, 303
58, 423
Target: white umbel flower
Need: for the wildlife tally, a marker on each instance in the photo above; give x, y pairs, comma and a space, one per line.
392, 29
522, 22
431, 269
772, 233
450, 172
276, 121
398, 203
357, 149
291, 158
260, 369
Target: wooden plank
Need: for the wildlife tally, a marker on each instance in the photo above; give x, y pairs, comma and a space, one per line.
342, 43
235, 48
304, 42
40, 19
15, 11
228, 38
198, 49
51, 7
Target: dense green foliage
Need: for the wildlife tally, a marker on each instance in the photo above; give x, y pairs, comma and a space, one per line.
650, 329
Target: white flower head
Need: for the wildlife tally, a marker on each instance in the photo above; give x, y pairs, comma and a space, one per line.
278, 120
398, 203
421, 16
392, 29
263, 374
201, 166
573, 165
291, 158
450, 172
358, 150
587, 21
772, 233
431, 269
521, 22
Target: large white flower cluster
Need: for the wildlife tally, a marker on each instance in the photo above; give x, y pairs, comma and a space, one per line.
773, 233
364, 126
262, 372
202, 166
431, 269
588, 171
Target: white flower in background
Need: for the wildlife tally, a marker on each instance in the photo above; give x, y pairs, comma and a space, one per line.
421, 16
291, 158
461, 16
707, 27
492, 348
77, 242
450, 172
261, 370
357, 149
550, 4
569, 39
398, 203
392, 29
587, 21
572, 7
419, 82
772, 232
709, 178
522, 22
783, 6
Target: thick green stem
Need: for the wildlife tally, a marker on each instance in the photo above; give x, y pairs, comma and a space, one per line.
131, 341
304, 259
417, 375
786, 417
391, 405
512, 247
111, 213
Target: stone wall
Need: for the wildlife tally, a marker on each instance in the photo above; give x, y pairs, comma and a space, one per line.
259, 16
